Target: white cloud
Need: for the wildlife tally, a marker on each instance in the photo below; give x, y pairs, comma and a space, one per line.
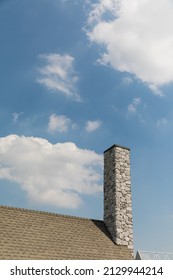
133, 106
91, 126
100, 8
58, 123
55, 174
58, 74
137, 37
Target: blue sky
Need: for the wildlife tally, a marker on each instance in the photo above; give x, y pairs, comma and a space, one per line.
76, 78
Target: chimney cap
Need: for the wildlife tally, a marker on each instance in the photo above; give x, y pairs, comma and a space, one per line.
115, 145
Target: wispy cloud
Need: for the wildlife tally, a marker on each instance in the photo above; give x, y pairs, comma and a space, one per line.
15, 116
91, 126
138, 39
133, 106
127, 81
155, 90
59, 75
161, 122
49, 173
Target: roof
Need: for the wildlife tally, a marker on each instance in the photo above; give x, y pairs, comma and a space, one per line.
149, 255
29, 234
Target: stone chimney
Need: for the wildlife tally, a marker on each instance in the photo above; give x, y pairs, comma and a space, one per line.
117, 195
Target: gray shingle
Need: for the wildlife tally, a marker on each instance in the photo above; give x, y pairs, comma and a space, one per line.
28, 234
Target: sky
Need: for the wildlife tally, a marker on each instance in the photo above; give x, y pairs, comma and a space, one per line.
77, 77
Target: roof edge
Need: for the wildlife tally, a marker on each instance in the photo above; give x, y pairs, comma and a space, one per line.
46, 213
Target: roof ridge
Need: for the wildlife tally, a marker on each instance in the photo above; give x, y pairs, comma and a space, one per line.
47, 213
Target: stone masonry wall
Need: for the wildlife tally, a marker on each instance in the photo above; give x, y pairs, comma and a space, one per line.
117, 195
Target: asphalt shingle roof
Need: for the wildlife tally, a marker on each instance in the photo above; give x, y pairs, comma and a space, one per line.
29, 234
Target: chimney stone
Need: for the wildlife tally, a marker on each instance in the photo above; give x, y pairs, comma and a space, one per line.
117, 195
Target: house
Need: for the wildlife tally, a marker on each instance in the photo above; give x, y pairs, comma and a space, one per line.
28, 234
150, 255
